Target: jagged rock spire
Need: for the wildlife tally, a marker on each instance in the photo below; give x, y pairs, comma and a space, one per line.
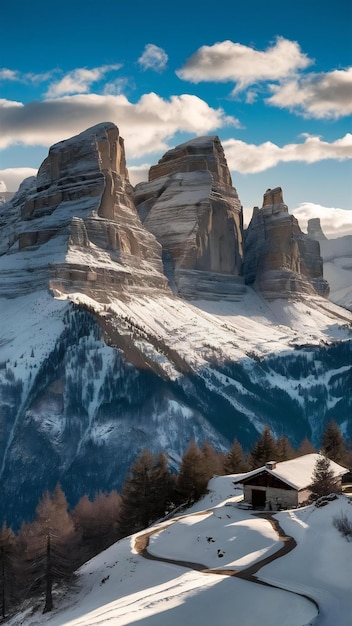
189, 204
315, 230
279, 259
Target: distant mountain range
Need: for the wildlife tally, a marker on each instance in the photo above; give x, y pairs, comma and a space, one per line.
148, 316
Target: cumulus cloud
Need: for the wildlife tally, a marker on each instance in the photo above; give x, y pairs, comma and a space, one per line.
145, 126
324, 95
79, 80
250, 158
335, 222
153, 58
13, 176
243, 65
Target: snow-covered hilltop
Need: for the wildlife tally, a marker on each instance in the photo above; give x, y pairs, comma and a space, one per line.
114, 338
216, 564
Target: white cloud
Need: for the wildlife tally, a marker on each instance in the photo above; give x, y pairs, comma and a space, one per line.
229, 61
79, 80
138, 173
9, 104
250, 158
13, 176
7, 74
335, 222
21, 77
153, 58
325, 95
146, 126
2, 185
116, 86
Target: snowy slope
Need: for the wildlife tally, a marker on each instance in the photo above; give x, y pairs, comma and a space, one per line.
309, 585
87, 383
337, 256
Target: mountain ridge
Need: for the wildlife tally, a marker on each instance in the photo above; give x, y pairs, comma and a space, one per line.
99, 354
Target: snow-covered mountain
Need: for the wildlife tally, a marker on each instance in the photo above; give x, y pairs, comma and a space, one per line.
337, 256
115, 337
215, 564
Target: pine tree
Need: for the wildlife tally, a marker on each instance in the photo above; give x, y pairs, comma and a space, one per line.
147, 477
193, 476
323, 480
49, 546
8, 550
235, 461
213, 460
163, 487
97, 522
333, 445
264, 450
305, 447
284, 450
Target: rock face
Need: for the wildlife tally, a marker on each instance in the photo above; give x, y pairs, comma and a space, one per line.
75, 226
190, 206
280, 260
315, 230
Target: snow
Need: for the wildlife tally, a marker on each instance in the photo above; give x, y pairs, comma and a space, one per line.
120, 586
337, 256
196, 333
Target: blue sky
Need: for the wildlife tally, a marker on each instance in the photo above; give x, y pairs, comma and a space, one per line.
272, 79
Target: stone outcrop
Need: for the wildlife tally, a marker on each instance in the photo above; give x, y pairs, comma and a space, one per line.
280, 260
315, 230
190, 206
75, 227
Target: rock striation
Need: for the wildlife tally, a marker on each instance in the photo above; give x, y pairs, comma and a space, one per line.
75, 227
193, 210
279, 259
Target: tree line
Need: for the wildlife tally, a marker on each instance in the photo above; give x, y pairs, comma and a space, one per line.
50, 548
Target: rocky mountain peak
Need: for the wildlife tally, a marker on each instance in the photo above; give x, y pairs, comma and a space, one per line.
190, 206
200, 154
76, 226
279, 259
274, 199
79, 226
79, 156
315, 230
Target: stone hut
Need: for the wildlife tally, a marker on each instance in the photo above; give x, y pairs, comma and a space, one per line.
283, 485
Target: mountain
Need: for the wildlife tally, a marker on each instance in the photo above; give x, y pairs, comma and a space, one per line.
215, 564
190, 206
279, 258
124, 329
337, 257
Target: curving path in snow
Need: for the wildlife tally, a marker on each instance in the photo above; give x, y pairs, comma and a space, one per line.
248, 574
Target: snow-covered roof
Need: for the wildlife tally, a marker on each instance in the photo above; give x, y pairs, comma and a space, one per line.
296, 473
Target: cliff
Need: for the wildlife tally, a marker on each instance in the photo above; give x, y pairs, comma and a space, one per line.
279, 259
75, 228
193, 210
